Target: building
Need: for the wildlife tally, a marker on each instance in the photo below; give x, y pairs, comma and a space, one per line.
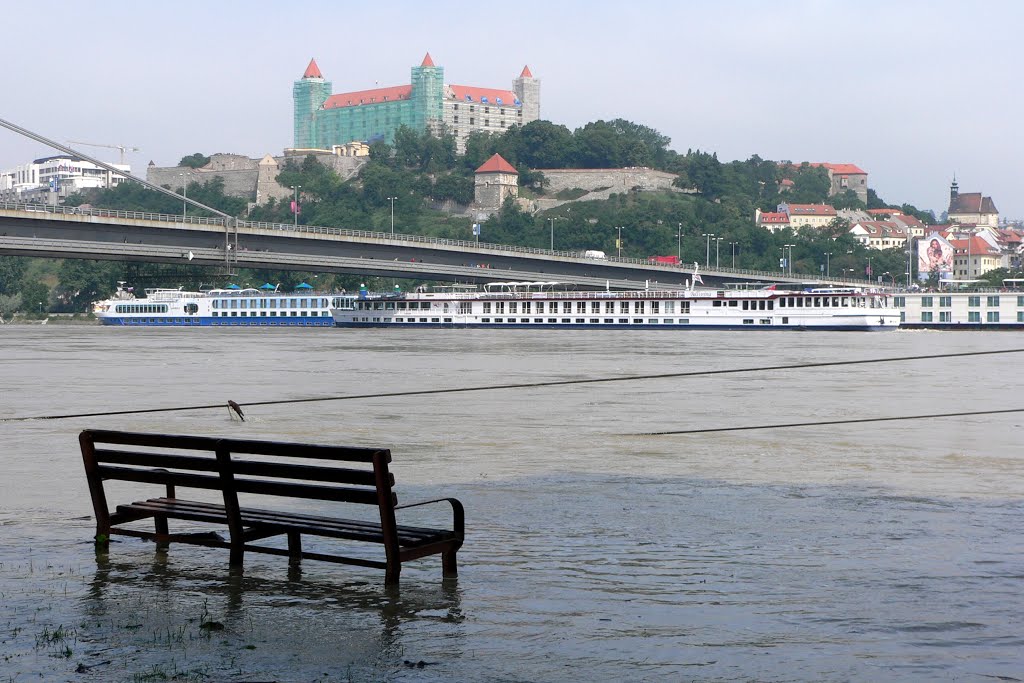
771, 220
841, 177
495, 181
973, 256
808, 215
53, 178
880, 234
972, 208
323, 119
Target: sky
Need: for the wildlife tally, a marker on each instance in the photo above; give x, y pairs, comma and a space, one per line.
913, 92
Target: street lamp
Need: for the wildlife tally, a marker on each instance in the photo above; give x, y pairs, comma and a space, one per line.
707, 249
552, 222
733, 245
718, 242
618, 242
184, 194
788, 261
295, 206
392, 200
828, 269
679, 243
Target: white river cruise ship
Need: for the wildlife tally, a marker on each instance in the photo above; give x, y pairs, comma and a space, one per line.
550, 305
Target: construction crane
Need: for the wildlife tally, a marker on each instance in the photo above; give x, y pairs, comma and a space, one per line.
122, 148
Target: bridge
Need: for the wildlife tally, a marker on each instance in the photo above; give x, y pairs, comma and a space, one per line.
73, 232
103, 234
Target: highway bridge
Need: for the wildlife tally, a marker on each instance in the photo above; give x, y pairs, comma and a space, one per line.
80, 233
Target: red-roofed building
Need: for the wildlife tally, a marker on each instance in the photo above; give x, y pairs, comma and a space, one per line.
972, 208
973, 256
771, 220
495, 181
808, 215
843, 177
323, 119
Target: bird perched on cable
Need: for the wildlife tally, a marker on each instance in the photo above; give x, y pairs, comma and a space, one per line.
232, 406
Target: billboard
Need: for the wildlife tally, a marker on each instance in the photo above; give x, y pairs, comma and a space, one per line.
934, 255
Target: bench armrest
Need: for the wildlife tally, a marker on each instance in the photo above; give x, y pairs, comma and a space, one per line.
458, 512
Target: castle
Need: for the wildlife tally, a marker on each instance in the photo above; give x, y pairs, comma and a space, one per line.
323, 119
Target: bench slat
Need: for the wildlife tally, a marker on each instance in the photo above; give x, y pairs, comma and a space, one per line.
207, 443
319, 526
336, 475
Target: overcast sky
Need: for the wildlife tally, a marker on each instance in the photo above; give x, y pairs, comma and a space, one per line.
912, 92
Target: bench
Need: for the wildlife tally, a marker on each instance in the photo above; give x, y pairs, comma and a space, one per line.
233, 466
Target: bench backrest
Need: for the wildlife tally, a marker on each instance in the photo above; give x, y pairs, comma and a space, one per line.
222, 464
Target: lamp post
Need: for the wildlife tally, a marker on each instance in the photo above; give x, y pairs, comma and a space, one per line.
868, 271
707, 249
295, 206
733, 245
828, 270
618, 242
392, 200
679, 243
551, 221
788, 261
718, 243
184, 194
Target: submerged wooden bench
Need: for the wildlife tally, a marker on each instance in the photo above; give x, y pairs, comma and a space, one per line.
234, 466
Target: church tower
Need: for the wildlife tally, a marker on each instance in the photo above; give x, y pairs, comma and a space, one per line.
309, 94
527, 89
427, 95
954, 192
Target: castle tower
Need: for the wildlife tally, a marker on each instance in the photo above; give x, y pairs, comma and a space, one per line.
954, 191
309, 94
527, 89
427, 95
495, 180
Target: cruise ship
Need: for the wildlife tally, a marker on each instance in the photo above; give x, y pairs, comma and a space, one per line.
233, 306
550, 305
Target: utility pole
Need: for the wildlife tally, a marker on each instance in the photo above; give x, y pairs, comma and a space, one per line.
551, 221
707, 249
679, 244
392, 200
295, 206
618, 242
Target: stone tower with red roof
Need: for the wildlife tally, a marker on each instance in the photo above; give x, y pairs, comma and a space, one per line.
426, 103
495, 181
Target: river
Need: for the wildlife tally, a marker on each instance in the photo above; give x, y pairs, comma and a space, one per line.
861, 552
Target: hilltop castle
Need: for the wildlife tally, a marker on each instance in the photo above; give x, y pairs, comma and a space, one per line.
427, 103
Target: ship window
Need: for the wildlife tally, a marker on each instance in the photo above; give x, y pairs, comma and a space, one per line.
581, 306
748, 321
655, 307
609, 307
513, 307
623, 307
540, 306
594, 320
487, 307
581, 320
608, 321
552, 320
526, 307
623, 321
566, 320
567, 307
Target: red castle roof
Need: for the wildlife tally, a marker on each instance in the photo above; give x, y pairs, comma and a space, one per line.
312, 71
526, 73
373, 96
469, 93
496, 164
427, 61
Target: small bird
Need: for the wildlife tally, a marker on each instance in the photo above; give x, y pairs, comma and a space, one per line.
232, 406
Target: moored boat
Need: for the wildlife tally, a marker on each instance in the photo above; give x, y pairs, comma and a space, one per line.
526, 305
232, 306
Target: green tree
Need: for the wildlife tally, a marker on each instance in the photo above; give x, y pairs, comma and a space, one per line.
196, 160
12, 270
35, 298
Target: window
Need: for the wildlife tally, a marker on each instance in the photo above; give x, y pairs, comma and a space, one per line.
926, 316
945, 316
974, 301
513, 307
992, 301
926, 302
566, 307
655, 307
540, 307
992, 316
945, 301
581, 307
1020, 301
973, 316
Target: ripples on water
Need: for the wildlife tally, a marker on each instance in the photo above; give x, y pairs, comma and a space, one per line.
864, 552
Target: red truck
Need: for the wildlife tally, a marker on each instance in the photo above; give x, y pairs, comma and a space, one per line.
665, 260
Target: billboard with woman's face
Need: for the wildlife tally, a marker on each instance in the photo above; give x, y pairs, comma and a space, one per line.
934, 255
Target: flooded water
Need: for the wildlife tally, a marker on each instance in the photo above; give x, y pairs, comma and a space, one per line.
876, 551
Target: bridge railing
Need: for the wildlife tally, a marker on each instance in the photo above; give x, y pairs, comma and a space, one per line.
398, 237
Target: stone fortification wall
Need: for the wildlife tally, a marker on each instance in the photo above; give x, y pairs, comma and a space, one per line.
251, 179
601, 183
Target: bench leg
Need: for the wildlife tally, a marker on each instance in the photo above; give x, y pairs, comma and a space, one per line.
160, 522
449, 567
237, 553
391, 573
294, 547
